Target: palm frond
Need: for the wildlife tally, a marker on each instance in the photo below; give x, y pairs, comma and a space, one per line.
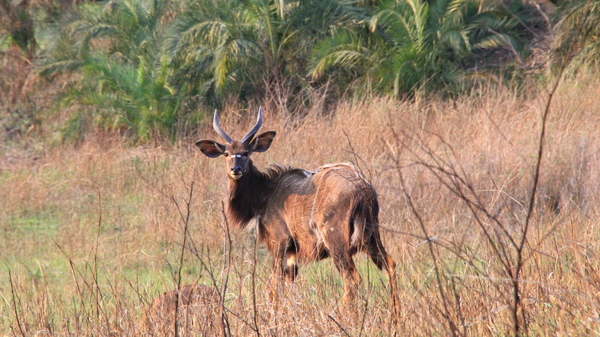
345, 49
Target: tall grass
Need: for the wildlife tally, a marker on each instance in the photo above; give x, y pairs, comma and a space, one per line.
90, 234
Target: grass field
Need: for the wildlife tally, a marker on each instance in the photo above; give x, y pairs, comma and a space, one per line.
91, 233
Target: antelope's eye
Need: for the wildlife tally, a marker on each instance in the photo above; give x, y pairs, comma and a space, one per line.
226, 154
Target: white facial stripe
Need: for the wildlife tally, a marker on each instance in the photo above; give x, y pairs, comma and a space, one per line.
236, 155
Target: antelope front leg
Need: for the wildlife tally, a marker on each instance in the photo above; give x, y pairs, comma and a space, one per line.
290, 265
284, 266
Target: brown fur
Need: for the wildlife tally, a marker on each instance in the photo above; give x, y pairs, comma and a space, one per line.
302, 216
249, 195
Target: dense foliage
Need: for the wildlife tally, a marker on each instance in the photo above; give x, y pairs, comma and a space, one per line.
144, 67
415, 44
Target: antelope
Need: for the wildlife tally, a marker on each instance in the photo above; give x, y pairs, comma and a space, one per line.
302, 216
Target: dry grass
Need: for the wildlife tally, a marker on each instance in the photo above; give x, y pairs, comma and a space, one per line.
91, 234
197, 308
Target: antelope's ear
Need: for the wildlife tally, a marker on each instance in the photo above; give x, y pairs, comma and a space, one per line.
210, 148
262, 142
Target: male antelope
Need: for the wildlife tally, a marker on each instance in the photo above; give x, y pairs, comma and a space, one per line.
302, 216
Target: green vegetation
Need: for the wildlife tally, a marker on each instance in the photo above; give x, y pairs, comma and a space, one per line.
144, 68
578, 33
124, 83
411, 45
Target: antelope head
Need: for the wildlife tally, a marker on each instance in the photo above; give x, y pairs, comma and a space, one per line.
237, 153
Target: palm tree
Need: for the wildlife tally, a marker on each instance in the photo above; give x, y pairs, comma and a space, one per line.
123, 76
251, 48
411, 44
577, 33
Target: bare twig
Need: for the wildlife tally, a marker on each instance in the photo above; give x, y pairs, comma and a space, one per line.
254, 308
518, 306
338, 324
15, 305
227, 264
186, 220
96, 289
443, 297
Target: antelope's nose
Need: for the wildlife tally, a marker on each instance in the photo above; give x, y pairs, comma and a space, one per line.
236, 170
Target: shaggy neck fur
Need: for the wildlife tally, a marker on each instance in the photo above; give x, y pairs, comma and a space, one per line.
248, 195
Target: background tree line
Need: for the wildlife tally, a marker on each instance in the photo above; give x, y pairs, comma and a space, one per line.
144, 67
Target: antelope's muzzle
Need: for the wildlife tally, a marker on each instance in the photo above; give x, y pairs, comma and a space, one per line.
236, 172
